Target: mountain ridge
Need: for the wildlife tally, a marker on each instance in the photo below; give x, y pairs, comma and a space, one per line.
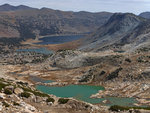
145, 15
121, 29
8, 7
45, 21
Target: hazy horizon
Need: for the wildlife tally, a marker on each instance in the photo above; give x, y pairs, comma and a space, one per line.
131, 6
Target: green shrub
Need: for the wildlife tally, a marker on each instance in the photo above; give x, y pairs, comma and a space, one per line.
22, 83
144, 49
63, 101
102, 72
128, 60
145, 108
36, 93
7, 91
86, 106
16, 104
25, 94
50, 100
114, 74
117, 56
2, 85
118, 108
125, 108
5, 104
36, 61
63, 50
140, 59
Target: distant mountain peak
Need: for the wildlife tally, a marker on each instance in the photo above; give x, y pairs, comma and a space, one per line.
8, 7
116, 31
123, 16
122, 22
145, 15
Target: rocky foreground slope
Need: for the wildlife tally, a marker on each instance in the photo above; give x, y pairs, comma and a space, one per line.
22, 97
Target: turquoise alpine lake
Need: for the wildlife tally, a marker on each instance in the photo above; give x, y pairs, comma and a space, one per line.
83, 92
36, 50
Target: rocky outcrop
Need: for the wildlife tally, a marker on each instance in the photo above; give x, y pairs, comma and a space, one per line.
67, 59
53, 84
74, 59
18, 91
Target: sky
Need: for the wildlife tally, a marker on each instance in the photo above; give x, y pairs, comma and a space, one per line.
133, 6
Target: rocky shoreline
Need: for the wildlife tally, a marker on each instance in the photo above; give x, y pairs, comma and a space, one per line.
53, 84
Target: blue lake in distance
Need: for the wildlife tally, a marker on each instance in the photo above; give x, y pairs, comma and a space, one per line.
59, 39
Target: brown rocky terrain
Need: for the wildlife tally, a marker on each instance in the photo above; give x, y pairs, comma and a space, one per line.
20, 96
122, 74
